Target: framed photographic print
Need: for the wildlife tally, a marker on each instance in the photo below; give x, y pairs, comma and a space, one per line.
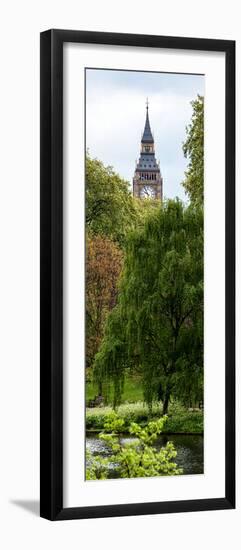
137, 274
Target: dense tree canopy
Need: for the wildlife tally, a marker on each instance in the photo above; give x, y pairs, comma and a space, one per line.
157, 325
110, 209
111, 213
193, 149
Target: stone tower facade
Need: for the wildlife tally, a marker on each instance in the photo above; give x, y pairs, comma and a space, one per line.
147, 181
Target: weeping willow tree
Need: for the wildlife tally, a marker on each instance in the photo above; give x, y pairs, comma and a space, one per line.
157, 324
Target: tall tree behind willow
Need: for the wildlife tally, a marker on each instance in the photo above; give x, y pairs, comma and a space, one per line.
157, 325
193, 149
104, 260
111, 210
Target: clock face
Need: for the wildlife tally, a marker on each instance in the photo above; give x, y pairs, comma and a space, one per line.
147, 192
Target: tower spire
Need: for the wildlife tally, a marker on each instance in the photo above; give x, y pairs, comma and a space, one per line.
147, 136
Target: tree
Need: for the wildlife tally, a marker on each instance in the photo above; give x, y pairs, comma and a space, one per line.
157, 325
193, 149
103, 267
110, 209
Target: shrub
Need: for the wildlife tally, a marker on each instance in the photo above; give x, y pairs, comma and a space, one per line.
137, 458
179, 419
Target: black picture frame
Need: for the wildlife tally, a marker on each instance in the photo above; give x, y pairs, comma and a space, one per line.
51, 322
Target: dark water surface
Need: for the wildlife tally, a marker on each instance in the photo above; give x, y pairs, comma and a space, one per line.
189, 449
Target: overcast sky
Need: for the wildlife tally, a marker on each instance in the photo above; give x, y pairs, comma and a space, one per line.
115, 119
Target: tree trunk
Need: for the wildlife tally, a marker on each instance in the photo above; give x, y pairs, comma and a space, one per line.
166, 401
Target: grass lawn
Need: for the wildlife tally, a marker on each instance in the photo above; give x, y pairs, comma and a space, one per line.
132, 390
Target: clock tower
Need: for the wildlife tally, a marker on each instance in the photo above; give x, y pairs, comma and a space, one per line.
147, 181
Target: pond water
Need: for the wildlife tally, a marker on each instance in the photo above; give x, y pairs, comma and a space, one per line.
189, 450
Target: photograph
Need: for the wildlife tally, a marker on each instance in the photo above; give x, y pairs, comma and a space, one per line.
120, 396
144, 274
137, 274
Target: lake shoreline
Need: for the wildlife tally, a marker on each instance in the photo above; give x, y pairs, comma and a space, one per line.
96, 431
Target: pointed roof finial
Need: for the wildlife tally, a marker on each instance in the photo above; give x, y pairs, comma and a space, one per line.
147, 134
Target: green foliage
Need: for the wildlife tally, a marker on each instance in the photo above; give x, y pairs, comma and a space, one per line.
185, 422
179, 420
98, 467
111, 360
132, 390
110, 209
156, 328
128, 412
137, 458
193, 149
103, 267
111, 212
